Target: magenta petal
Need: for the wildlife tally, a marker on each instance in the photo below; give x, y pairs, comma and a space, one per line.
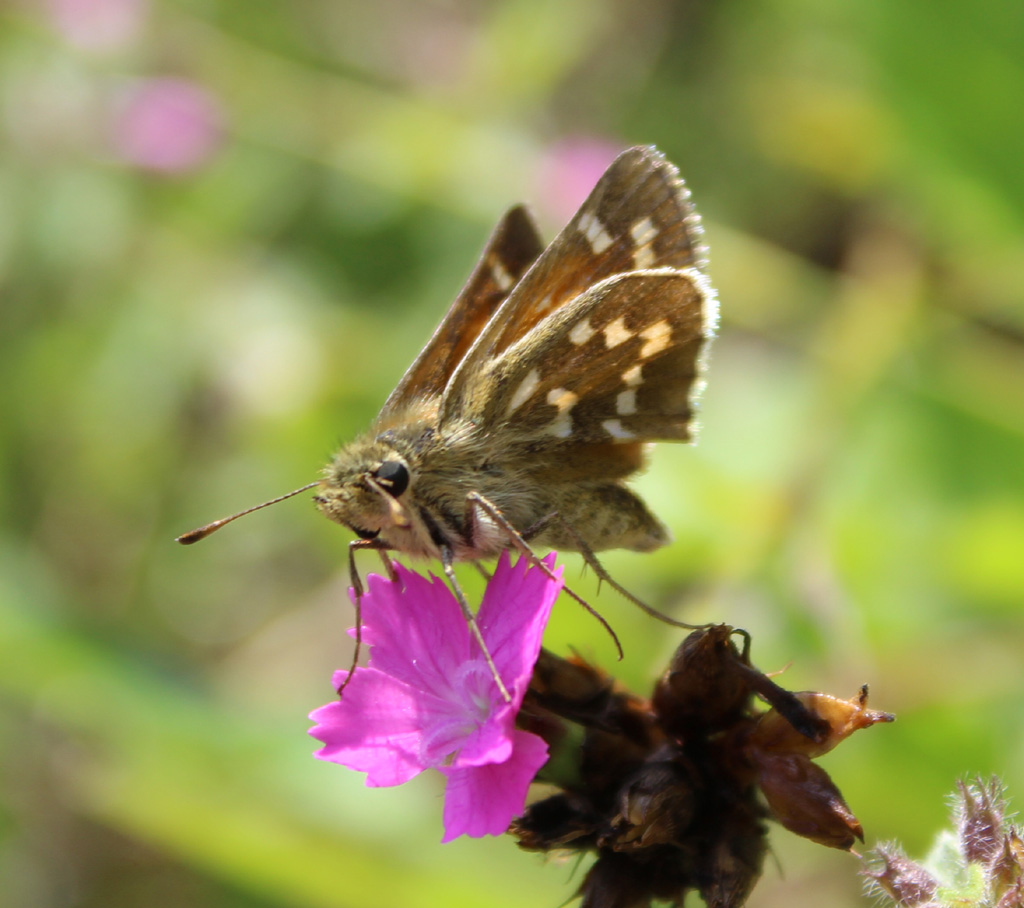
374, 728
513, 615
483, 800
491, 741
416, 630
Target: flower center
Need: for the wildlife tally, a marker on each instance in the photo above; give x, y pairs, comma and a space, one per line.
476, 684
472, 698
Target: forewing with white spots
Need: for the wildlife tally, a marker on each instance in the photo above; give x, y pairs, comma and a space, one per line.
617, 365
638, 218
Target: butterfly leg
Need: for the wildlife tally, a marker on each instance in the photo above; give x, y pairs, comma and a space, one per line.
359, 589
475, 501
591, 559
448, 562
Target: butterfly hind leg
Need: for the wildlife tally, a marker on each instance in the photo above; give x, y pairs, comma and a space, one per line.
639, 531
476, 502
579, 544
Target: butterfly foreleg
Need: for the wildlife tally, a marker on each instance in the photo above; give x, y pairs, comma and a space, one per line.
358, 590
477, 504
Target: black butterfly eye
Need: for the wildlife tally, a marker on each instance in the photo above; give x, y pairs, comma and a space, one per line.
366, 534
393, 476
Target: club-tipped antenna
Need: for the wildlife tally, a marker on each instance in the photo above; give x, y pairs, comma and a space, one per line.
204, 531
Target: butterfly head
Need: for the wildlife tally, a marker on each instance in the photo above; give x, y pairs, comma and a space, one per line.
367, 489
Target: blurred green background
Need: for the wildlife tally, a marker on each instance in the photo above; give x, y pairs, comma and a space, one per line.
226, 228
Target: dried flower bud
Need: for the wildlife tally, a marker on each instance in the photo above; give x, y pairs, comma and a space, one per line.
979, 811
597, 732
617, 881
806, 801
570, 684
1007, 866
890, 872
575, 690
1013, 897
733, 864
561, 821
775, 733
980, 866
702, 688
655, 807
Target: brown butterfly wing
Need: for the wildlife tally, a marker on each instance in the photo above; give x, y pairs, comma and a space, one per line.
638, 217
616, 366
513, 246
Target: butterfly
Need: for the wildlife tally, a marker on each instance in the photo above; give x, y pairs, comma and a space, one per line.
522, 417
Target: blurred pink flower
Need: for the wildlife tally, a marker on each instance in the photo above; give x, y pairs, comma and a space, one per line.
167, 125
98, 25
569, 170
427, 699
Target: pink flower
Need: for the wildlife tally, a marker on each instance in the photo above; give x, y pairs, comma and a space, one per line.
168, 125
568, 171
427, 699
98, 25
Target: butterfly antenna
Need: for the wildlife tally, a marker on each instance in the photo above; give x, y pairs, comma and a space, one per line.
202, 532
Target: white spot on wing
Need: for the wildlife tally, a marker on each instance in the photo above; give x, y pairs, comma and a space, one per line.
594, 231
525, 391
614, 428
616, 333
625, 403
656, 339
565, 400
632, 377
581, 333
644, 258
644, 233
501, 277
544, 305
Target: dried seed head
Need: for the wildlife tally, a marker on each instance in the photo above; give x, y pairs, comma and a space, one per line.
666, 792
